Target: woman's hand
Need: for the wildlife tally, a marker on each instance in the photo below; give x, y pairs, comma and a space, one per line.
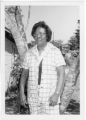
23, 101
53, 100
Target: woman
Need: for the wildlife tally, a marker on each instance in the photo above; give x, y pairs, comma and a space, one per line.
45, 65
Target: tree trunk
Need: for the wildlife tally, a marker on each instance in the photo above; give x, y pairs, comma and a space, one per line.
13, 20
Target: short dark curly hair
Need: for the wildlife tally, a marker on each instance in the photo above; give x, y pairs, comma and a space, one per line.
45, 26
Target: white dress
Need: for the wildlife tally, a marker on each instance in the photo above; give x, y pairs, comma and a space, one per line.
38, 95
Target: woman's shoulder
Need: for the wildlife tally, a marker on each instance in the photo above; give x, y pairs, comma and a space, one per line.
54, 48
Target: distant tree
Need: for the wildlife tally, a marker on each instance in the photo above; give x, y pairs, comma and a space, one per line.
77, 34
74, 41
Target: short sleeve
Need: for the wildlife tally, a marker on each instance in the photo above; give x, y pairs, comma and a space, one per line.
25, 63
59, 59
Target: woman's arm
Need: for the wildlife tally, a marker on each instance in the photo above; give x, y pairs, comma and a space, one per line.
24, 76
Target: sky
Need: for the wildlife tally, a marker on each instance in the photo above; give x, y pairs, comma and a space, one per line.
61, 19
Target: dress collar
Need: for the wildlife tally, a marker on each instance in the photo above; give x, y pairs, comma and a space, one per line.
43, 54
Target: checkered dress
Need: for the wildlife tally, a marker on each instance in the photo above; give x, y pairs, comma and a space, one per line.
38, 95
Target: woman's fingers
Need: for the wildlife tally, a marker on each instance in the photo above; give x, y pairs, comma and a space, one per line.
52, 103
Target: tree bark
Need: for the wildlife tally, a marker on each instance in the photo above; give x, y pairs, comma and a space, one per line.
13, 19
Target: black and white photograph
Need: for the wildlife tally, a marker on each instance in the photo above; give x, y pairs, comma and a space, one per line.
42, 59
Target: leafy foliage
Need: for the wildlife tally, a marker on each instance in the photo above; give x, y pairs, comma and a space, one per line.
74, 41
15, 77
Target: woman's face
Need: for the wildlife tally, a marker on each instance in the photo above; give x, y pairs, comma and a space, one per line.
40, 36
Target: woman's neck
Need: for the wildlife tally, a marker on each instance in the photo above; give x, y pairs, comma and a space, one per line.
41, 48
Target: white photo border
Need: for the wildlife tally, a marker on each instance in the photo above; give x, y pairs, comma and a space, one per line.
82, 62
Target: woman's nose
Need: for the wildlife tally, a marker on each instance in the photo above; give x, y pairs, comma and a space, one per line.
39, 35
